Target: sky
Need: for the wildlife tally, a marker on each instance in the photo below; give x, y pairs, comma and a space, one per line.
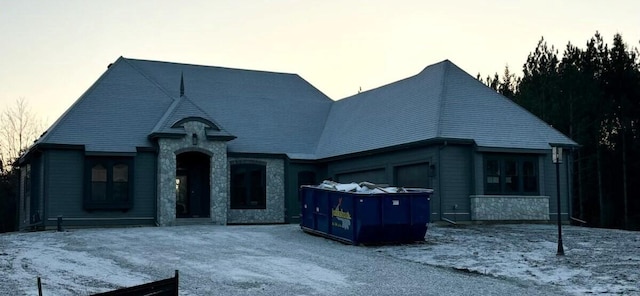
51, 52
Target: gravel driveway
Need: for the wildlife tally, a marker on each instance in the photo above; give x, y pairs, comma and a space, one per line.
227, 260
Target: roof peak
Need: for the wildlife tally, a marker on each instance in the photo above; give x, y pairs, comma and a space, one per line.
181, 84
204, 66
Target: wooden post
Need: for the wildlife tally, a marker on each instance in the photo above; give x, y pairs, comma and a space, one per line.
39, 287
176, 286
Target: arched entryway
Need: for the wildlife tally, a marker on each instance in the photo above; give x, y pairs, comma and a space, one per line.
192, 185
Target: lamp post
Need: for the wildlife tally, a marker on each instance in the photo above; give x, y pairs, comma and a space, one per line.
557, 159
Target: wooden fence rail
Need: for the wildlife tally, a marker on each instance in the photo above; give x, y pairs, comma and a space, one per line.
166, 287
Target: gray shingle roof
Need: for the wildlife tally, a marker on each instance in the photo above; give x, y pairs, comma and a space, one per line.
282, 113
442, 102
267, 112
114, 115
471, 110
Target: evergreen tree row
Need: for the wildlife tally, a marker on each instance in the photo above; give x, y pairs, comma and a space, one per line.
592, 95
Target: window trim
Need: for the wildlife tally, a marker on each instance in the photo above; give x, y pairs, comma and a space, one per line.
89, 204
233, 203
502, 160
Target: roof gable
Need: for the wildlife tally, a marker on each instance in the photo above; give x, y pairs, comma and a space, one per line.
183, 110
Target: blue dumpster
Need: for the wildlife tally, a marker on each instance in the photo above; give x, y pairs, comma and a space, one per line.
365, 218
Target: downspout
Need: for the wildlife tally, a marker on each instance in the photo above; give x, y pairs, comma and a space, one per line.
568, 186
157, 181
287, 188
44, 193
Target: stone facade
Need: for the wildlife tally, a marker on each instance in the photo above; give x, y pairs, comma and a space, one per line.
274, 212
499, 207
219, 176
169, 148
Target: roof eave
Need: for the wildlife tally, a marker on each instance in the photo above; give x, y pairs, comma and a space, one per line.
427, 142
225, 138
157, 135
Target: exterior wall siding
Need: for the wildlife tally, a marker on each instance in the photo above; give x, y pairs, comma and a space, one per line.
549, 185
64, 192
455, 168
292, 196
144, 203
275, 208
64, 185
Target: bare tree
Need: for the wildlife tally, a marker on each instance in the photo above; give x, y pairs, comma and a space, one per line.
19, 127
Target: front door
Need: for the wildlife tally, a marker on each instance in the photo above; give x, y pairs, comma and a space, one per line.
192, 185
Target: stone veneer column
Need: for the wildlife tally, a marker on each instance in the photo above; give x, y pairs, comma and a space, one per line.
166, 193
218, 175
219, 181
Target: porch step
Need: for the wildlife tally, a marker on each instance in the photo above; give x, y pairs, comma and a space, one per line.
193, 221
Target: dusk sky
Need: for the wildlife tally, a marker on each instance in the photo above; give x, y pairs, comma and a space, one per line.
52, 51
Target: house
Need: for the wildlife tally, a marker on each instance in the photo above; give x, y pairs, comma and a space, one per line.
158, 143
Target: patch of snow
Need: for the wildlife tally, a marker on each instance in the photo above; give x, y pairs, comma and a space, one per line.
282, 260
596, 260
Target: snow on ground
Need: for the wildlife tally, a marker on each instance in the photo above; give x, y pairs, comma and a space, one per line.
596, 261
280, 259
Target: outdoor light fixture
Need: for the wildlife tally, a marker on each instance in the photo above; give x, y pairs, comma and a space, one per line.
556, 153
194, 139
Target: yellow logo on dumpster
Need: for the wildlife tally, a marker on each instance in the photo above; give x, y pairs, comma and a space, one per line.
341, 214
341, 218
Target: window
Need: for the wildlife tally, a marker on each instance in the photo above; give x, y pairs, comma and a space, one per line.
109, 186
248, 186
510, 174
492, 173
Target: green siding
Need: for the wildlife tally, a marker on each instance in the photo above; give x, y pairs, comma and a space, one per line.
455, 168
292, 198
144, 203
64, 192
64, 183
